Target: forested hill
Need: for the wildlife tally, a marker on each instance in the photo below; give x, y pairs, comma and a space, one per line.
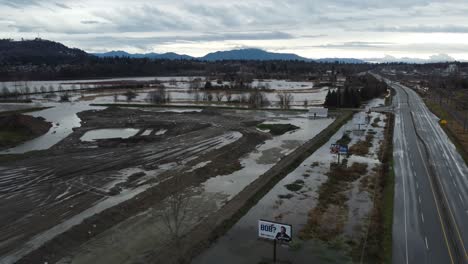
39, 51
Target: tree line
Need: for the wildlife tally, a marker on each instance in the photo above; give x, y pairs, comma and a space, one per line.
355, 90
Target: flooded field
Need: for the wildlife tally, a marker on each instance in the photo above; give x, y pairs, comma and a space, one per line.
294, 199
180, 89
104, 173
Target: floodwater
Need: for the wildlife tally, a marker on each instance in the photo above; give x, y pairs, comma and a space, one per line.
267, 154
64, 119
109, 133
241, 243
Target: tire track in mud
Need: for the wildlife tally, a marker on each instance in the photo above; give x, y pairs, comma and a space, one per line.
39, 186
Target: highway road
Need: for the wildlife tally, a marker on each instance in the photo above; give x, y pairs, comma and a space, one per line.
431, 187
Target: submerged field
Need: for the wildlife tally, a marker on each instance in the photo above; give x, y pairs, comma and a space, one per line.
331, 207
136, 180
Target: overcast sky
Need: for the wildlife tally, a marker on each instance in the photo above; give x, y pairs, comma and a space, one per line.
310, 28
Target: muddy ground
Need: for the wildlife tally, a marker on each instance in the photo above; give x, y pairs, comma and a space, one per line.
55, 200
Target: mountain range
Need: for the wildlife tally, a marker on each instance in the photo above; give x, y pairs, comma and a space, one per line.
238, 54
39, 51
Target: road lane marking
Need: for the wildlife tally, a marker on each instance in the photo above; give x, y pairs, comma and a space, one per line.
437, 207
417, 185
422, 217
460, 198
419, 198
427, 245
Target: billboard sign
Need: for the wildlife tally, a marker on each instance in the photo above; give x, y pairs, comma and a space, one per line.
343, 150
274, 231
335, 148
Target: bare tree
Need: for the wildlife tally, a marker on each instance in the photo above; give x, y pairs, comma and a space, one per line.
64, 97
130, 95
5, 91
159, 96
285, 99
195, 84
257, 99
219, 96
175, 215
306, 103
228, 96
209, 96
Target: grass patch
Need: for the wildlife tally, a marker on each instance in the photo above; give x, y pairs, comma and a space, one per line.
344, 140
379, 240
453, 129
286, 196
387, 205
326, 220
277, 129
361, 148
295, 186
10, 138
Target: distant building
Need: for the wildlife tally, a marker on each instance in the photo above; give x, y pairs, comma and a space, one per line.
315, 112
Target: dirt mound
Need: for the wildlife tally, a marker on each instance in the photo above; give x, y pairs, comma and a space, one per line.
17, 128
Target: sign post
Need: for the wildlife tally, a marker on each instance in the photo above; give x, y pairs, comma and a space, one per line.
274, 231
338, 150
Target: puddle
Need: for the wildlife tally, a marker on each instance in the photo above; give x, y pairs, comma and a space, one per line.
147, 132
161, 132
109, 133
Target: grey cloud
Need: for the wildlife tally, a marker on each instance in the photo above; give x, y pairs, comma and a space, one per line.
61, 5
356, 45
143, 18
423, 29
19, 3
414, 48
89, 22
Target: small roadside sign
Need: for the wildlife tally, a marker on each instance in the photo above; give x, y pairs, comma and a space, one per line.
343, 149
274, 231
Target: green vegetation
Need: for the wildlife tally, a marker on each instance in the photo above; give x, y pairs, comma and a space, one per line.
344, 140
387, 206
361, 148
286, 196
277, 129
453, 129
326, 220
11, 138
295, 186
356, 89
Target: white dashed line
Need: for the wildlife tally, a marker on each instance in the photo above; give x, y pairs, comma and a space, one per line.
427, 245
422, 217
419, 198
